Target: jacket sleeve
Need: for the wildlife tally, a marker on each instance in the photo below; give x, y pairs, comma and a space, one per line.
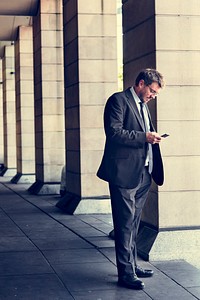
114, 120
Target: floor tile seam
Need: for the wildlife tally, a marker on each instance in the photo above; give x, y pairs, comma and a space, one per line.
46, 260
33, 204
92, 226
67, 226
32, 276
81, 226
110, 289
38, 250
110, 260
49, 214
93, 245
25, 275
99, 219
7, 188
19, 251
84, 239
81, 237
148, 295
179, 261
36, 245
81, 263
43, 210
17, 226
176, 282
195, 295
59, 277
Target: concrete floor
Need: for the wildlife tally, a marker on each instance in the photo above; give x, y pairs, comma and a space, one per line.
48, 255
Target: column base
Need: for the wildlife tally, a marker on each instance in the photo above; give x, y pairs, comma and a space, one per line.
8, 172
23, 178
74, 204
42, 188
168, 244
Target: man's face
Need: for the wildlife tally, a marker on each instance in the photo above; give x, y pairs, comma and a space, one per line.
147, 92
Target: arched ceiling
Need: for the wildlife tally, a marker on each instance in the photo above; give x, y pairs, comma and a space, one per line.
14, 13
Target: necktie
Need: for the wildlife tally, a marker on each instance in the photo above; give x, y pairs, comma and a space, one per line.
149, 146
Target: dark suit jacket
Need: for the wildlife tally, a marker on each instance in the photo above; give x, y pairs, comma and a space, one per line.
125, 148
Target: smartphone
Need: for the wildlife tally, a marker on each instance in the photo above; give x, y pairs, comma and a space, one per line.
164, 135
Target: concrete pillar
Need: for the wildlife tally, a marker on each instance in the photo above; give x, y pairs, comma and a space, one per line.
24, 107
90, 55
49, 97
1, 119
160, 36
9, 109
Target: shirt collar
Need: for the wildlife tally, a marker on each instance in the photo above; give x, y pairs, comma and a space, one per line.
135, 96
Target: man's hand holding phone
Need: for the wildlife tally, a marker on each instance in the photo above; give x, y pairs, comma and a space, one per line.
153, 137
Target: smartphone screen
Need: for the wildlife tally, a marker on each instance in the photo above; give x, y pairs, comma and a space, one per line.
164, 135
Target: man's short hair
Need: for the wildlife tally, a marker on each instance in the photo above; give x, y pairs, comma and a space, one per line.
149, 76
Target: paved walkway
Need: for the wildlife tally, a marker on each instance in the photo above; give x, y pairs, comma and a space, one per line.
48, 255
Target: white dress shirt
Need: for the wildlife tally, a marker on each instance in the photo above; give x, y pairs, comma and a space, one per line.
138, 101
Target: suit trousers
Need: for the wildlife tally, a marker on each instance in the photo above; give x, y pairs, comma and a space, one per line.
127, 205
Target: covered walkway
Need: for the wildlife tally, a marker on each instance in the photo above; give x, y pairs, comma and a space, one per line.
48, 255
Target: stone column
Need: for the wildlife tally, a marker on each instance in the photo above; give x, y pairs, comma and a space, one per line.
9, 109
163, 39
1, 119
90, 55
24, 107
49, 97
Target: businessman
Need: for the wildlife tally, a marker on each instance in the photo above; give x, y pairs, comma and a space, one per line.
131, 159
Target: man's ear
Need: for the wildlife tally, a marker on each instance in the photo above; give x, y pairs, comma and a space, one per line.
141, 83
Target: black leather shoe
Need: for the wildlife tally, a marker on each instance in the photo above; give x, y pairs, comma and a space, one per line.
131, 281
143, 272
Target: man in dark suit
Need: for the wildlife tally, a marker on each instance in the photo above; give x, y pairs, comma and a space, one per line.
131, 158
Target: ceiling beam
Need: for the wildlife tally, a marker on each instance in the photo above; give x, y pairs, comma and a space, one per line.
18, 7
14, 13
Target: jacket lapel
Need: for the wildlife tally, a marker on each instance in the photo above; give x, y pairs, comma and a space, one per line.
150, 120
133, 107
